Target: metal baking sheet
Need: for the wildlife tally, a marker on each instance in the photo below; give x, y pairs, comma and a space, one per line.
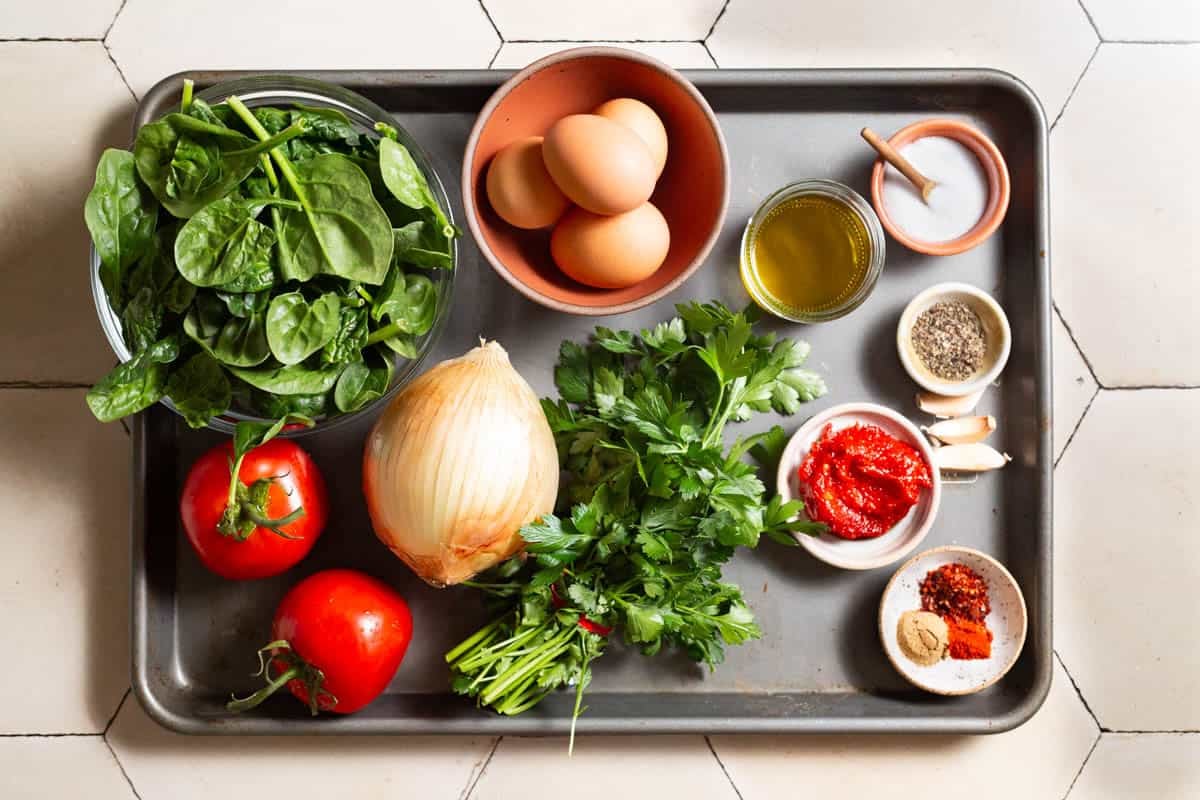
819, 666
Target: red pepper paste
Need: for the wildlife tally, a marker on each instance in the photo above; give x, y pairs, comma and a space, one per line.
861, 480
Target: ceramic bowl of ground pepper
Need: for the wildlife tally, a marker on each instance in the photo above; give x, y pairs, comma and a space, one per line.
953, 339
952, 620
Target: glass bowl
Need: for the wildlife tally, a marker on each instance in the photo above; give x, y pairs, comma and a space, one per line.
284, 91
857, 206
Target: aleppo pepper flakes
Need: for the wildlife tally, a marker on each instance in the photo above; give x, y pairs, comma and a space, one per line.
955, 590
957, 594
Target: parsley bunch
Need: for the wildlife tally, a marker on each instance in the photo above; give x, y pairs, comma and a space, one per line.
656, 502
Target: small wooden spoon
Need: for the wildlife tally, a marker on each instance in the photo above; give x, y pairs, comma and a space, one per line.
893, 157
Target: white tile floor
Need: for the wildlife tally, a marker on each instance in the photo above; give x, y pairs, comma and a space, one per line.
1119, 79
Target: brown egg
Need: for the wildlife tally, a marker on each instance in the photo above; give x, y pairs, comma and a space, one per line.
611, 252
520, 189
641, 119
599, 164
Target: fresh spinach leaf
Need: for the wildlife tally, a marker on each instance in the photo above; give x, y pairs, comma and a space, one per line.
291, 379
296, 329
402, 344
188, 163
199, 390
156, 270
423, 244
244, 304
141, 319
120, 213
347, 344
134, 385
277, 405
341, 229
407, 183
223, 242
408, 301
363, 382
259, 277
242, 342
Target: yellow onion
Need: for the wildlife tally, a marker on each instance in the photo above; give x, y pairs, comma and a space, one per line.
459, 461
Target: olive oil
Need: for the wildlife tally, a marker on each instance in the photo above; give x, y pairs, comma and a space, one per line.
807, 256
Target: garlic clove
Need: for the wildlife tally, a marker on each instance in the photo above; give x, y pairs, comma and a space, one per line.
969, 457
962, 430
943, 407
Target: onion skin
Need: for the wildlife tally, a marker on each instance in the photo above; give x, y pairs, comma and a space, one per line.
459, 461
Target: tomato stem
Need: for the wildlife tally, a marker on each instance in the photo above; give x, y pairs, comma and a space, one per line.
293, 668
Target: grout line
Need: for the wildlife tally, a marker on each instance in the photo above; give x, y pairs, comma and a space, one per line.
44, 385
1086, 759
492, 22
1075, 686
1091, 21
1184, 42
713, 27
52, 39
711, 57
121, 767
1152, 731
47, 735
1075, 430
614, 41
474, 779
1075, 86
108, 30
1183, 387
495, 55
721, 764
124, 697
120, 72
1071, 335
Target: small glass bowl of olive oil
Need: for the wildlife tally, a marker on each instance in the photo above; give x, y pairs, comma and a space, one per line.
812, 251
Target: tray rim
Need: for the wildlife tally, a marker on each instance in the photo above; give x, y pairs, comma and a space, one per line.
492, 725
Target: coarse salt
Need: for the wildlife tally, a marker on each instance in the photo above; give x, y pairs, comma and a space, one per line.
955, 204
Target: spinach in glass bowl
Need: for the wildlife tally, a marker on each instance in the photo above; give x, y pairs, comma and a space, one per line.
276, 246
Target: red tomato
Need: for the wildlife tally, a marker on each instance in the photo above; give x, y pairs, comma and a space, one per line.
342, 635
286, 479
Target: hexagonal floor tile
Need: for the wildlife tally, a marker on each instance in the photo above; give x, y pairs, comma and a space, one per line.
1126, 561
58, 19
664, 766
1074, 386
1126, 263
47, 319
1049, 749
585, 20
64, 563
1044, 42
162, 764
1161, 766
34, 768
1163, 20
681, 55
360, 34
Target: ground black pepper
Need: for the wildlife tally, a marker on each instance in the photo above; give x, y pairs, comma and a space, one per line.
950, 340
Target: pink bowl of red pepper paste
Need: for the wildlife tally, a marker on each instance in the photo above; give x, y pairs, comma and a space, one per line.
866, 473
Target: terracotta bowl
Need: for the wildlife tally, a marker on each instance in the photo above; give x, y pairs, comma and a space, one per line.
692, 193
994, 167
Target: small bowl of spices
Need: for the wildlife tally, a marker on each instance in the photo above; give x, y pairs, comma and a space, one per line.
812, 252
952, 620
969, 198
953, 339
